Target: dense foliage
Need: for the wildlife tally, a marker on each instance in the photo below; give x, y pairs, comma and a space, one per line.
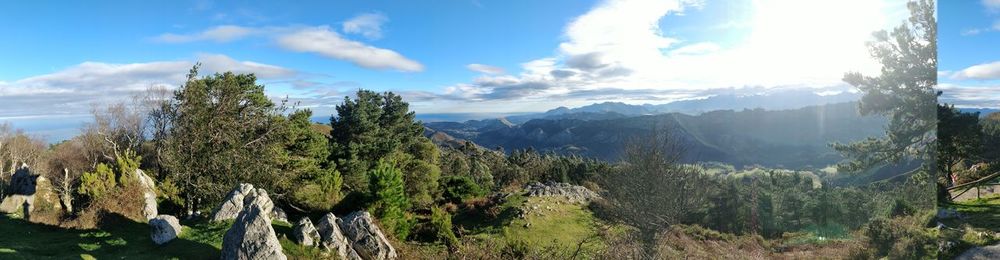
223, 130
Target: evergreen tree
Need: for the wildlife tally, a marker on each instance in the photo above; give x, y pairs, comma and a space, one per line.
223, 130
368, 129
959, 138
388, 197
903, 92
315, 184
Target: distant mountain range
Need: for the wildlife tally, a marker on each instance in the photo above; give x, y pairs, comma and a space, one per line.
983, 112
779, 100
792, 138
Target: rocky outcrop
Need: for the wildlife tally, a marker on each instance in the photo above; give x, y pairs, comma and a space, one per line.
305, 233
279, 215
571, 192
251, 236
148, 194
981, 253
26, 191
164, 228
332, 239
354, 237
366, 238
233, 203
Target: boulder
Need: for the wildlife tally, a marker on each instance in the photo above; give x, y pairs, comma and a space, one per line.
573, 193
278, 214
148, 194
233, 203
332, 239
251, 236
164, 228
305, 233
366, 238
26, 191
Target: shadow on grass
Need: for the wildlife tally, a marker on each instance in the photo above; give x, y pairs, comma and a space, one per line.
116, 237
476, 221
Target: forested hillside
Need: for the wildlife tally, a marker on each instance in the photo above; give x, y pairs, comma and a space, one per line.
784, 138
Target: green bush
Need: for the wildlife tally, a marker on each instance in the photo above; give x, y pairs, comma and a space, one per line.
388, 198
882, 234
321, 193
95, 185
460, 188
441, 221
901, 208
106, 178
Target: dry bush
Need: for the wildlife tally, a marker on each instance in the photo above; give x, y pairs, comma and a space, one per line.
126, 201
695, 242
481, 207
487, 249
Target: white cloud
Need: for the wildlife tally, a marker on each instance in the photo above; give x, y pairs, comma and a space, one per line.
223, 33
992, 5
986, 96
219, 62
968, 32
620, 47
319, 40
985, 71
697, 48
368, 25
74, 89
323, 41
486, 69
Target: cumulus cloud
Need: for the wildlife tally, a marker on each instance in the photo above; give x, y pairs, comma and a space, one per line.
970, 96
485, 69
697, 48
219, 62
323, 41
619, 47
223, 33
992, 5
74, 89
985, 71
368, 25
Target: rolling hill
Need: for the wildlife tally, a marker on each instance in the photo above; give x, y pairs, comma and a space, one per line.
794, 138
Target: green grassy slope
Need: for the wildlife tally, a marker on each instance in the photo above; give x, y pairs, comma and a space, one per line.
123, 239
978, 227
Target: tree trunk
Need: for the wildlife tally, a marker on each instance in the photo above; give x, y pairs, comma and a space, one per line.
67, 194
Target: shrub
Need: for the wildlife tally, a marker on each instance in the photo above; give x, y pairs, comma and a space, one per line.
901, 208
319, 194
388, 198
95, 185
460, 188
881, 235
441, 221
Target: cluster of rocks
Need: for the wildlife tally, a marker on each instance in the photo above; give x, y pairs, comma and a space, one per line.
233, 205
26, 191
573, 193
356, 236
251, 235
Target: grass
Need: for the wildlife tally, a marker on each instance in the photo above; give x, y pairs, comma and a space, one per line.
976, 228
980, 213
555, 223
125, 239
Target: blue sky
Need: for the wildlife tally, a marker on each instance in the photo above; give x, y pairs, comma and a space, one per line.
968, 53
462, 56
